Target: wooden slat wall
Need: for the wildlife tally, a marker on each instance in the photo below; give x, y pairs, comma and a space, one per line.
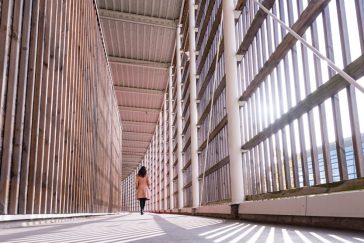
212, 80
301, 121
60, 142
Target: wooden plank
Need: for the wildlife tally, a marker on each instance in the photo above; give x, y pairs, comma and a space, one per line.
313, 9
291, 101
14, 204
240, 4
77, 190
282, 90
340, 147
12, 80
210, 72
218, 91
359, 7
64, 112
311, 122
350, 91
25, 163
33, 165
203, 25
254, 27
212, 35
215, 167
59, 112
5, 24
68, 128
46, 199
214, 133
201, 5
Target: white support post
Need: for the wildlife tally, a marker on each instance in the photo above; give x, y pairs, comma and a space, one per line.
156, 169
134, 190
149, 174
154, 159
193, 105
153, 174
232, 103
160, 159
127, 194
130, 196
165, 151
170, 143
129, 191
179, 118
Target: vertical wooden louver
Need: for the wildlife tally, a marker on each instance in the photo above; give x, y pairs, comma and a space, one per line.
60, 133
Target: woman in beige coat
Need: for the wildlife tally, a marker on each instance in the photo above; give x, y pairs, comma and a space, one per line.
142, 188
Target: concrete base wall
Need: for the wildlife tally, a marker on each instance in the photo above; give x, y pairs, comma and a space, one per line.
342, 210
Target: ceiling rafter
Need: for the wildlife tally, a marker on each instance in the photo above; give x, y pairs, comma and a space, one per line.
139, 63
120, 88
138, 109
138, 19
138, 123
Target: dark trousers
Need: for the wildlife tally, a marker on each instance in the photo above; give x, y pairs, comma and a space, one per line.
142, 203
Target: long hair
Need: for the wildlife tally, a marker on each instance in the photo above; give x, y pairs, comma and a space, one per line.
142, 171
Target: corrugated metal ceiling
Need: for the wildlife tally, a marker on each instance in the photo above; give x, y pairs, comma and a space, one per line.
139, 38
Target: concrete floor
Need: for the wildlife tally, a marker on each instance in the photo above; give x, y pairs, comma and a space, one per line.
171, 228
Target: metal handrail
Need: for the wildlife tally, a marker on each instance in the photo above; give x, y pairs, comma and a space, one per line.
330, 63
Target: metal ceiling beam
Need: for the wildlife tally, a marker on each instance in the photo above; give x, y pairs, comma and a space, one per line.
134, 153
137, 19
142, 138
119, 88
129, 162
138, 109
138, 133
136, 141
129, 151
135, 146
139, 63
133, 160
138, 123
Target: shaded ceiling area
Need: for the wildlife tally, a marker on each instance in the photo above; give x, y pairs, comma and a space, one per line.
140, 40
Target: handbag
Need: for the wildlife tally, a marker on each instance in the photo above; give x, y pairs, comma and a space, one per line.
147, 192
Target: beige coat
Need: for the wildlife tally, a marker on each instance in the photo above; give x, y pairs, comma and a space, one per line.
141, 184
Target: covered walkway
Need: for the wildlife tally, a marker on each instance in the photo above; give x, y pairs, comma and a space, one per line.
171, 228
239, 109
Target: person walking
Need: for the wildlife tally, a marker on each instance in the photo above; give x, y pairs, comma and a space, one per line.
142, 188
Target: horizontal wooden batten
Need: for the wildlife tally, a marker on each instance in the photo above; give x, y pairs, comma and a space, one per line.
240, 4
138, 109
186, 165
254, 27
210, 72
119, 88
215, 167
214, 132
218, 92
